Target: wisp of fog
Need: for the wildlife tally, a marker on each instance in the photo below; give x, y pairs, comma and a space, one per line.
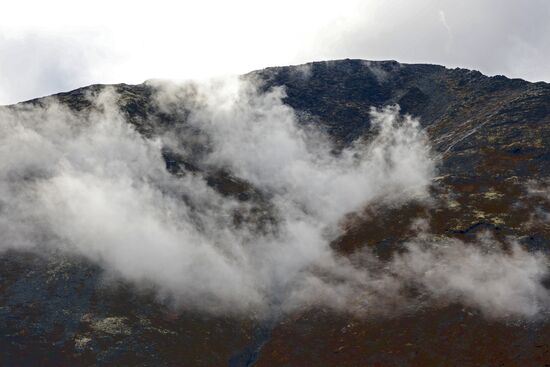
88, 184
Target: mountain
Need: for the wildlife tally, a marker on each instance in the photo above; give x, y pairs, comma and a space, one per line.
490, 136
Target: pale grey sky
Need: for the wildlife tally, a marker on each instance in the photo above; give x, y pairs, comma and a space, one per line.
48, 47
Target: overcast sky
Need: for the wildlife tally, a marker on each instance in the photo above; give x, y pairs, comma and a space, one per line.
52, 46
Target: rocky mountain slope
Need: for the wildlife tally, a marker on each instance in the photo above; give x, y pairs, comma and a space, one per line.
491, 137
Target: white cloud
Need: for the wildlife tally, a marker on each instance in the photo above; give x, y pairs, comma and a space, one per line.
480, 275
89, 184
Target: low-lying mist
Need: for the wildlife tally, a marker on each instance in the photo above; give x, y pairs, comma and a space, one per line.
87, 183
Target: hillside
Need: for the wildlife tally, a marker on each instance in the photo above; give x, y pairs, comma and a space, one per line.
489, 139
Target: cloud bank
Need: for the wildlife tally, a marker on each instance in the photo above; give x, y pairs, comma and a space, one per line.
89, 184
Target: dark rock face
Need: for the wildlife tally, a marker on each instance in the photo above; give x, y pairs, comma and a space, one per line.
492, 134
